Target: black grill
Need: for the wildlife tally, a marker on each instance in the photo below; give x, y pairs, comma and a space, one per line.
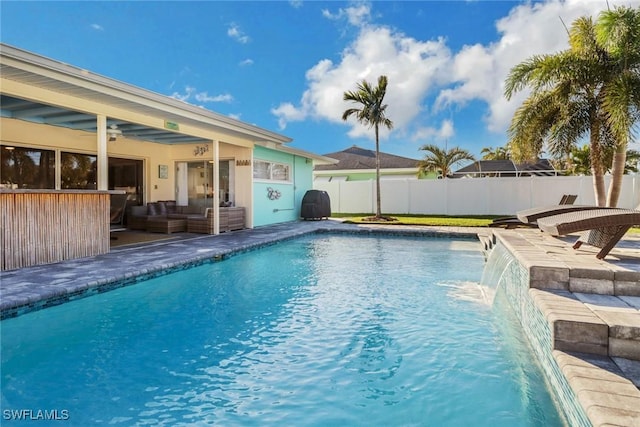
316, 205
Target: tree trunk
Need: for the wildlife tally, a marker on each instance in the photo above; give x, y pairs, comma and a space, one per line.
596, 166
617, 171
378, 210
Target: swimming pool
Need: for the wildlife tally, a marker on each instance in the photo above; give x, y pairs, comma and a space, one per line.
320, 330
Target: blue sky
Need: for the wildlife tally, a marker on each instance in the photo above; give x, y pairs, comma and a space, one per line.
284, 65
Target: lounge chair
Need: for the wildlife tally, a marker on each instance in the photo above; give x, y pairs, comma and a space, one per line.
602, 228
514, 221
530, 217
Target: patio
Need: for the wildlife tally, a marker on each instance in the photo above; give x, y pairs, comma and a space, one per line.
146, 255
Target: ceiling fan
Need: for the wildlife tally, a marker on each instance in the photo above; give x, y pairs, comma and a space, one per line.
113, 132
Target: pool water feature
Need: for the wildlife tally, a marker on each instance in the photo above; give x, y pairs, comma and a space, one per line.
316, 331
508, 281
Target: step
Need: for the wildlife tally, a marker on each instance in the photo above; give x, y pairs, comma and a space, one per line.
605, 325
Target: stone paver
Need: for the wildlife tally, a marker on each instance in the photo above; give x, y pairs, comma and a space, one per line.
594, 318
601, 388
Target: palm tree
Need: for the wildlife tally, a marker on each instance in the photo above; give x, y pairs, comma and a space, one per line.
632, 164
591, 88
564, 103
581, 166
618, 31
442, 160
372, 114
499, 153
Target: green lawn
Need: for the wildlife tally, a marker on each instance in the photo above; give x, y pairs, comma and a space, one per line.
460, 221
443, 220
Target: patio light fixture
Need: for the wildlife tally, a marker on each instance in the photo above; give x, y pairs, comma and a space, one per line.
113, 132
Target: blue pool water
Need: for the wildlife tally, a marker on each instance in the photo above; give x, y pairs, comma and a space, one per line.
317, 331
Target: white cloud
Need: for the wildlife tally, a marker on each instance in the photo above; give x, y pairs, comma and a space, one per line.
413, 67
205, 97
356, 15
479, 72
246, 62
425, 77
190, 93
445, 132
296, 4
97, 27
288, 112
237, 34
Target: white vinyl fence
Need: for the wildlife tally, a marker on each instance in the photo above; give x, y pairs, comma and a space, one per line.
468, 196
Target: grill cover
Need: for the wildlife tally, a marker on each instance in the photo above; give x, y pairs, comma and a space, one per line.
316, 205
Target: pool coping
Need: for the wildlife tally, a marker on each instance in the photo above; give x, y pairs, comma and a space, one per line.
593, 310
34, 288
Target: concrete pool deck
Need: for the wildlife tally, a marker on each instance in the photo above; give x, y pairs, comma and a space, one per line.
592, 305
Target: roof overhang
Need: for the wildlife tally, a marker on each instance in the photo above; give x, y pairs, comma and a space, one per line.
20, 69
317, 159
383, 171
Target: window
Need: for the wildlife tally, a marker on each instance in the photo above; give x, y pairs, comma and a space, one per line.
26, 168
271, 171
261, 170
78, 171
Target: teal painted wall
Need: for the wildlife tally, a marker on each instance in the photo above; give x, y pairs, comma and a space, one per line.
287, 207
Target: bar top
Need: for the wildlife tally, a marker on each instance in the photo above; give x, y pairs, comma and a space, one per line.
49, 191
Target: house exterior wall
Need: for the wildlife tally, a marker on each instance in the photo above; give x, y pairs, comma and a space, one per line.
232, 142
286, 197
27, 134
33, 135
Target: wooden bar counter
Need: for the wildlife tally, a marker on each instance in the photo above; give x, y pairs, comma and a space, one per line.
46, 226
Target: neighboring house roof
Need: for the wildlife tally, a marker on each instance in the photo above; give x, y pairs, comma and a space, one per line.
506, 168
542, 167
360, 158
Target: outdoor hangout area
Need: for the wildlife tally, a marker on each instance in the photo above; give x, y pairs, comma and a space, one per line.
166, 217
162, 263
581, 313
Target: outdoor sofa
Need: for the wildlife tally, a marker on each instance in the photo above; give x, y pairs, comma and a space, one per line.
231, 218
162, 217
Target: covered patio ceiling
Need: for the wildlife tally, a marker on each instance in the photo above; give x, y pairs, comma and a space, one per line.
23, 109
21, 70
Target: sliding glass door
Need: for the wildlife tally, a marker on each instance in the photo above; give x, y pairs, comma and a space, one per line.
126, 175
201, 179
194, 183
